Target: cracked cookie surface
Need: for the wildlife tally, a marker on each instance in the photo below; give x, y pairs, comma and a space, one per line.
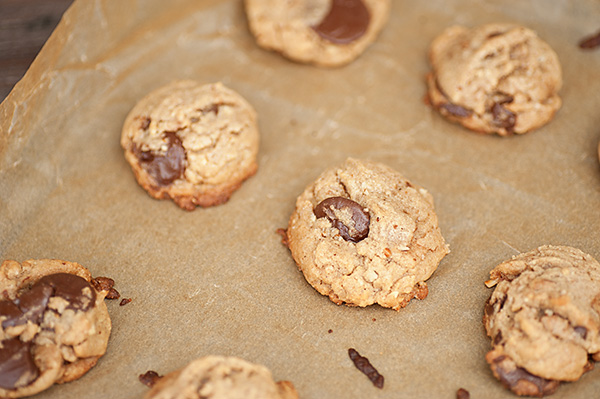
54, 325
192, 143
386, 262
544, 319
495, 78
326, 33
218, 377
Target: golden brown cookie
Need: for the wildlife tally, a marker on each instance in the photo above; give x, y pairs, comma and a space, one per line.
495, 78
544, 319
192, 143
363, 234
54, 325
326, 33
217, 377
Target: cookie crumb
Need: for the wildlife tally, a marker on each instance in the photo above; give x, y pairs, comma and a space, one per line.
149, 378
124, 301
284, 237
374, 319
102, 283
330, 331
363, 364
590, 42
113, 294
462, 394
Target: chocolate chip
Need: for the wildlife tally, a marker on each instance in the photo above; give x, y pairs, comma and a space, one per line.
523, 382
33, 303
503, 117
214, 108
582, 331
360, 217
457, 110
124, 301
70, 287
590, 42
168, 167
346, 21
462, 394
102, 283
17, 367
363, 364
113, 294
145, 123
149, 378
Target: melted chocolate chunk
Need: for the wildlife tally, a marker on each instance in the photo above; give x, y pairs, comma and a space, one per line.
346, 21
149, 378
13, 315
33, 302
519, 378
363, 364
17, 367
360, 217
462, 394
71, 288
590, 42
167, 168
503, 117
457, 110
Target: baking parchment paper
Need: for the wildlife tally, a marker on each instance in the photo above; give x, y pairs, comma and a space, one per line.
218, 280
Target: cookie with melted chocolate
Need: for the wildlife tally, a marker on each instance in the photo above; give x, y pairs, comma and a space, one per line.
54, 325
192, 143
363, 234
544, 319
326, 33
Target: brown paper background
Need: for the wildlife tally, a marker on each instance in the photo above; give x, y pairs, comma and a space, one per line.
218, 281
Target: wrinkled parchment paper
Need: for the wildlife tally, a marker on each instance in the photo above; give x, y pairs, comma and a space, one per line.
218, 280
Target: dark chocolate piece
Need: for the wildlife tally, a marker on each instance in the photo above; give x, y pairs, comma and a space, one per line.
149, 378
581, 330
124, 301
462, 394
113, 294
17, 367
70, 287
363, 364
13, 315
503, 117
457, 110
521, 381
167, 168
360, 217
590, 42
346, 21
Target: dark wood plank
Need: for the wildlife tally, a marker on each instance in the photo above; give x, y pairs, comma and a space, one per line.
25, 25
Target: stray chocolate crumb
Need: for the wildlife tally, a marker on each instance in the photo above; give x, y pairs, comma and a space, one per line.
457, 110
102, 283
363, 364
124, 301
374, 319
149, 378
330, 331
113, 294
462, 394
590, 42
284, 237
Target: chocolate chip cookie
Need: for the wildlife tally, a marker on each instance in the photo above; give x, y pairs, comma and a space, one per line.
192, 143
495, 78
326, 33
544, 319
363, 234
217, 377
54, 325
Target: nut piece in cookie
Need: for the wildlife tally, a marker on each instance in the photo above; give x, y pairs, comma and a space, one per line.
495, 78
362, 234
217, 377
192, 143
326, 33
544, 319
54, 325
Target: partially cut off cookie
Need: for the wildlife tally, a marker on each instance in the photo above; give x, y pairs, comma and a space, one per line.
192, 143
496, 78
326, 33
218, 377
362, 234
544, 319
54, 325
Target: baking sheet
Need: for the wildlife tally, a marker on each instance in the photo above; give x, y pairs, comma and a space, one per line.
218, 280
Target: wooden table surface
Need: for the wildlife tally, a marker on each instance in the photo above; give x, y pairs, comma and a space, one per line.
25, 25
